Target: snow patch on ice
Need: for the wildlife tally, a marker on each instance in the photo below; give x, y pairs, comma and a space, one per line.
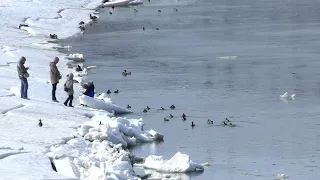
178, 163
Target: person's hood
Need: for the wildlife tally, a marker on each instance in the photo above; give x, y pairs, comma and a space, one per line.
70, 77
22, 59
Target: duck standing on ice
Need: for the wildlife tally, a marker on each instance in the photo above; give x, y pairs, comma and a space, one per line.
40, 123
78, 69
93, 17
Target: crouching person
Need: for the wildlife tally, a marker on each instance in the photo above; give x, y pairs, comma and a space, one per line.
68, 87
89, 89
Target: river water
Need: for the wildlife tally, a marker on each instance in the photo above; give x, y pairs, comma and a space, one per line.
216, 59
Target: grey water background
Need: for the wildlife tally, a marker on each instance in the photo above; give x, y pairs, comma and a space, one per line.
216, 59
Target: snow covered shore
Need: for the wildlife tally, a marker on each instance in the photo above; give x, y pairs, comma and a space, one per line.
92, 150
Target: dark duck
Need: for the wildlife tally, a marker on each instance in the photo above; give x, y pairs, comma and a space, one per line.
183, 115
40, 123
78, 69
192, 124
93, 17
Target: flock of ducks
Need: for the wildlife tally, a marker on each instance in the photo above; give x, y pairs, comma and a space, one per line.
95, 18
159, 11
226, 122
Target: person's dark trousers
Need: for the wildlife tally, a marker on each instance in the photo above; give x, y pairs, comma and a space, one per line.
70, 98
54, 88
24, 88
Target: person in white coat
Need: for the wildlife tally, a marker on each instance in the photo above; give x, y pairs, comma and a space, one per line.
68, 87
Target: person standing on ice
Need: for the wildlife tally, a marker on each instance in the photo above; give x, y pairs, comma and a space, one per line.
54, 76
68, 87
23, 75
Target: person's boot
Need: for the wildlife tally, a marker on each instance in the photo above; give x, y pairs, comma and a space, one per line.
65, 103
70, 105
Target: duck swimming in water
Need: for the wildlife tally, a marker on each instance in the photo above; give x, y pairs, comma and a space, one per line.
232, 125
128, 106
108, 92
171, 116
227, 120
224, 123
117, 91
192, 124
175, 9
81, 23
209, 121
172, 106
162, 108
145, 110
184, 118
143, 28
183, 115
148, 108
110, 13
166, 119
159, 11
126, 73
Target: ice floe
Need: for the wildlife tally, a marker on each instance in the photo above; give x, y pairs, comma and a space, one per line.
177, 164
76, 57
287, 96
117, 3
98, 103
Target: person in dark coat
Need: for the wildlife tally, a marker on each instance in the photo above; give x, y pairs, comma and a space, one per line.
23, 75
89, 89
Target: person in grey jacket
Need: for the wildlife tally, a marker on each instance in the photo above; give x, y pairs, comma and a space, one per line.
23, 75
68, 87
54, 77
